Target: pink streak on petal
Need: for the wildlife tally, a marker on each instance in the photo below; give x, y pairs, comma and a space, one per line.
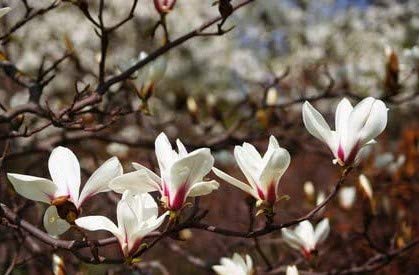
341, 153
176, 202
271, 196
260, 193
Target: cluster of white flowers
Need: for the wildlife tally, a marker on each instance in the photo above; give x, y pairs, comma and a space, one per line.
351, 39
182, 175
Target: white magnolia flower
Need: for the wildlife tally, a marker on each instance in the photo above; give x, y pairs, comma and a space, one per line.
181, 173
62, 192
347, 196
137, 216
305, 238
236, 265
262, 173
4, 11
356, 127
292, 270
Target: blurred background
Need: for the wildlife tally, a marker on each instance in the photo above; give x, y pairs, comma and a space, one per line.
217, 91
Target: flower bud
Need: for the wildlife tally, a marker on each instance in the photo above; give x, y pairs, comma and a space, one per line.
365, 185
309, 190
58, 267
164, 6
271, 97
391, 81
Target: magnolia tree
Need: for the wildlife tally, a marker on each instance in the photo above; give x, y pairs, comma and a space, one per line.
95, 177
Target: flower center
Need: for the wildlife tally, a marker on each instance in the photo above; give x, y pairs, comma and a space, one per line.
66, 209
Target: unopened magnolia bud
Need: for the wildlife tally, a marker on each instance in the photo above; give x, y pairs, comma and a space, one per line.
391, 81
58, 267
192, 105
211, 100
347, 197
4, 11
150, 74
164, 6
17, 122
225, 8
192, 108
309, 190
365, 185
185, 234
271, 97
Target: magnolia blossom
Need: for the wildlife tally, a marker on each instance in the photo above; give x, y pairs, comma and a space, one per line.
62, 193
236, 265
262, 173
4, 11
164, 6
355, 127
181, 173
305, 238
347, 197
137, 215
291, 270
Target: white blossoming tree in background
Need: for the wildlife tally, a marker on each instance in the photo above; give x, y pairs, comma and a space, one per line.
96, 96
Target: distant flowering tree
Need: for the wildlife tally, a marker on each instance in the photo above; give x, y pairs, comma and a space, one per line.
76, 74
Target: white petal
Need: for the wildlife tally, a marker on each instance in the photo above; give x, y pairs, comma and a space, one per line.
239, 261
343, 111
4, 11
137, 181
181, 148
292, 270
202, 188
94, 223
65, 172
222, 270
376, 122
164, 153
149, 226
249, 262
127, 216
306, 233
144, 206
275, 167
292, 239
273, 145
367, 120
190, 169
322, 231
53, 224
315, 124
235, 182
33, 188
99, 181
251, 152
150, 173
247, 164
